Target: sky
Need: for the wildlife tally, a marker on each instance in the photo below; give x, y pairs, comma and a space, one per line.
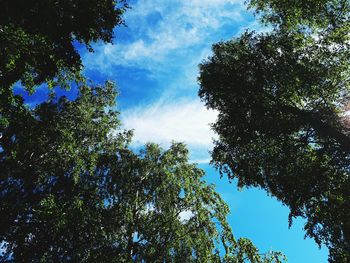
154, 62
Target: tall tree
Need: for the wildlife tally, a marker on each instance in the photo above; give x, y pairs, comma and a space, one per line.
72, 191
281, 99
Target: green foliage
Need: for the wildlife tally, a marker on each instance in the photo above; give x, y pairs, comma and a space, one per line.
328, 15
281, 99
71, 190
36, 37
38, 40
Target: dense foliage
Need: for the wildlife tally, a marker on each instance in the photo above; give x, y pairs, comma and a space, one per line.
71, 190
308, 15
282, 99
38, 41
36, 37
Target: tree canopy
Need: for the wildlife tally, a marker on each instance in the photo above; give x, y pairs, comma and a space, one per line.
71, 190
37, 37
282, 98
38, 41
314, 15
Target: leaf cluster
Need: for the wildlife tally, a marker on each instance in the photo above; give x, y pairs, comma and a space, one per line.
36, 37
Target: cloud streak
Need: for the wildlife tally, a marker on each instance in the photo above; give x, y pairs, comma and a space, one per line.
164, 122
159, 29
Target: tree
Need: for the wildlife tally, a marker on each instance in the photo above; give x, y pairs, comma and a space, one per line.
71, 190
37, 37
281, 98
38, 41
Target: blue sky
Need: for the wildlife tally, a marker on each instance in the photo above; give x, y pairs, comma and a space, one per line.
154, 61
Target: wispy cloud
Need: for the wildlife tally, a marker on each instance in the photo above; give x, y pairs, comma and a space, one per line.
159, 29
164, 122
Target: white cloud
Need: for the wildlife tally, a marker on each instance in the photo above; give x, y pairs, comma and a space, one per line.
180, 25
164, 122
